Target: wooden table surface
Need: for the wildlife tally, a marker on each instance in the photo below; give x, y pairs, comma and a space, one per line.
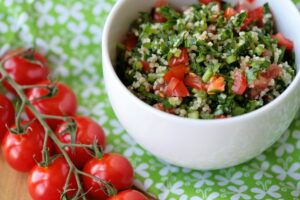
13, 185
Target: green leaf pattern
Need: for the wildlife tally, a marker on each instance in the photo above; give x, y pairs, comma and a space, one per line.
69, 33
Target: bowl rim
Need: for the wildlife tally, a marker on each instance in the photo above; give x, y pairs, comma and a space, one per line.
107, 64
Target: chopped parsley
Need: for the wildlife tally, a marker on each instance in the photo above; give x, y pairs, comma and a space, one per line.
207, 61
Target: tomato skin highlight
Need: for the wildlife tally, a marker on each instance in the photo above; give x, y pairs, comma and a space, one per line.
129, 195
113, 168
7, 116
87, 131
240, 82
177, 71
23, 70
63, 103
19, 150
47, 183
183, 59
284, 42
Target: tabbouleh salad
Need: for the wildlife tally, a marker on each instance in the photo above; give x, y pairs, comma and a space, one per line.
209, 60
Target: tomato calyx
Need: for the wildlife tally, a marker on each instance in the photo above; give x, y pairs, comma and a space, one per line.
52, 90
18, 52
98, 150
21, 128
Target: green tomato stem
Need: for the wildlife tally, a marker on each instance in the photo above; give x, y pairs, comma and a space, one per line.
49, 133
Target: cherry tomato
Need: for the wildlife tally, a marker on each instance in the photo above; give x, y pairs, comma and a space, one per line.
284, 42
177, 71
7, 116
216, 83
240, 82
63, 103
176, 88
21, 150
87, 131
229, 12
209, 1
113, 168
183, 59
194, 81
129, 195
47, 183
130, 42
26, 69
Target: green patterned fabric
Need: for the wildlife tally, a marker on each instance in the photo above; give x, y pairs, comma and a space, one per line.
69, 33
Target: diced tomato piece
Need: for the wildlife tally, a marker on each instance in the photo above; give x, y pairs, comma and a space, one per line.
251, 1
172, 85
272, 72
208, 1
159, 106
254, 93
216, 83
161, 3
267, 53
220, 117
241, 7
177, 72
240, 82
194, 81
176, 88
159, 18
255, 15
283, 41
146, 66
130, 42
183, 59
264, 79
261, 83
229, 12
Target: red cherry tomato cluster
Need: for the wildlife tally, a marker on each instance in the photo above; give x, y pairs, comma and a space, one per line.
24, 142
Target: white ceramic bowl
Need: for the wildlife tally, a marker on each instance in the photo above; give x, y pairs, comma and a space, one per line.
199, 144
